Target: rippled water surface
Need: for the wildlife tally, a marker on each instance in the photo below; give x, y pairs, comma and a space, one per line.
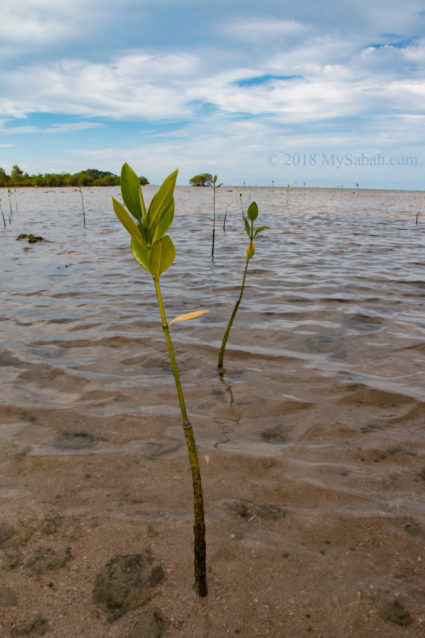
330, 333
312, 444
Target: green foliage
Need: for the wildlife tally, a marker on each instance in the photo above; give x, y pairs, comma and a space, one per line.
204, 179
154, 250
250, 252
88, 177
249, 229
150, 246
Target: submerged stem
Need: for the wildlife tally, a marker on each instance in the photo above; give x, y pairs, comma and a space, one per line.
198, 500
229, 325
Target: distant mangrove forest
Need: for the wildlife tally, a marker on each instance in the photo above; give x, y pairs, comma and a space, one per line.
89, 177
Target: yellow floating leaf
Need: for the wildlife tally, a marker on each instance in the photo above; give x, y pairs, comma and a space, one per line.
188, 315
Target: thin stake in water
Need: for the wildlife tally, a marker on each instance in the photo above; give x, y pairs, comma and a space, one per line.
82, 204
10, 205
2, 214
154, 251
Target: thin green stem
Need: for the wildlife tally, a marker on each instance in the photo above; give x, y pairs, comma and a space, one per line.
213, 233
198, 500
229, 325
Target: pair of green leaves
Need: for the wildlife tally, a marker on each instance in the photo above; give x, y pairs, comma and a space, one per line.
249, 229
151, 247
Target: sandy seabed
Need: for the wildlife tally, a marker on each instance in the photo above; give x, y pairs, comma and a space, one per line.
286, 556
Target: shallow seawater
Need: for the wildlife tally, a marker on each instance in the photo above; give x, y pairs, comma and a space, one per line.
325, 363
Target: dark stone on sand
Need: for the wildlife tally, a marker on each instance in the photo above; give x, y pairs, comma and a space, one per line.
395, 612
37, 626
8, 597
44, 560
125, 583
75, 441
152, 625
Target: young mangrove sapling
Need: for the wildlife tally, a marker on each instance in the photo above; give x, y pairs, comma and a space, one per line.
215, 186
249, 229
154, 251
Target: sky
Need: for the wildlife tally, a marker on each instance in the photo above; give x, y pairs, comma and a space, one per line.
323, 93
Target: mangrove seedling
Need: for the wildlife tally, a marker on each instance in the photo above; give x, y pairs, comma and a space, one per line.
250, 251
215, 186
154, 251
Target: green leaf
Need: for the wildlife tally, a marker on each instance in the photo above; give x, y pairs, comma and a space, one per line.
131, 192
259, 230
162, 199
127, 221
247, 227
165, 222
253, 211
140, 254
161, 256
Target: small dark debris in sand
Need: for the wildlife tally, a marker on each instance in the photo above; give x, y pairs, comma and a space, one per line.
75, 441
157, 449
32, 239
422, 473
11, 559
273, 436
8, 597
14, 536
37, 626
152, 625
22, 453
395, 612
249, 511
6, 532
27, 416
48, 560
125, 583
152, 533
413, 529
48, 526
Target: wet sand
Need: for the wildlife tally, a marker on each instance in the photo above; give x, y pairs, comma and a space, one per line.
312, 445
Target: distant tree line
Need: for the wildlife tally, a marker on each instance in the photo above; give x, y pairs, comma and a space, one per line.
89, 177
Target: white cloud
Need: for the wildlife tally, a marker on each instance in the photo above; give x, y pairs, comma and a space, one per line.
131, 85
140, 84
258, 29
51, 129
34, 22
